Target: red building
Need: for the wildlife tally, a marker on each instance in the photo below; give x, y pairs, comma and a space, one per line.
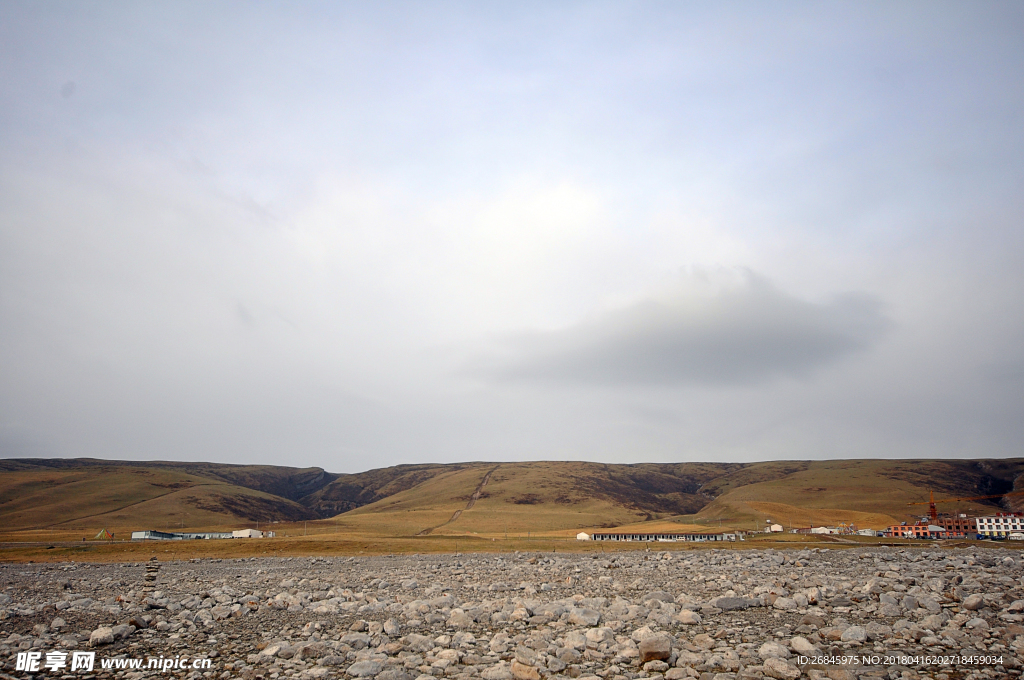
967, 525
921, 530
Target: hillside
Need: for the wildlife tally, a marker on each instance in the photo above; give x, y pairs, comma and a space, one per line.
560, 497
492, 499
537, 497
35, 495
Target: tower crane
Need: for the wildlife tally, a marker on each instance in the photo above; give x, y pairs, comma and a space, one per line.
934, 514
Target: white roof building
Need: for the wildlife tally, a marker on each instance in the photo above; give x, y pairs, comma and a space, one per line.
247, 533
583, 536
1000, 525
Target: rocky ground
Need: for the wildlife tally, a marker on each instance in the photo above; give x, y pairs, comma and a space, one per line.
709, 614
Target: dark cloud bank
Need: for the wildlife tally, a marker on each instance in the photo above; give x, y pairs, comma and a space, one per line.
747, 334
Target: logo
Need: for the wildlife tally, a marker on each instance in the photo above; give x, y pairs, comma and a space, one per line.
56, 661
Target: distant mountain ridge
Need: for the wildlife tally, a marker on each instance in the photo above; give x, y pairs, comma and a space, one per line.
68, 493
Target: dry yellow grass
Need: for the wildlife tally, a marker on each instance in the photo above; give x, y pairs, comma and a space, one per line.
519, 499
121, 499
869, 493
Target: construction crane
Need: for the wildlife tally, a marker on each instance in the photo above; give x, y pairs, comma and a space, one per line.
934, 514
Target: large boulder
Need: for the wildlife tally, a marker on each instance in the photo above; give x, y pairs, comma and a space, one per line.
730, 603
772, 650
974, 602
365, 669
780, 669
688, 618
802, 645
655, 648
497, 672
785, 603
521, 671
854, 634
101, 636
584, 617
526, 655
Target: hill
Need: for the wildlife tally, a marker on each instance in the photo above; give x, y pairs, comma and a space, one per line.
562, 497
491, 499
73, 494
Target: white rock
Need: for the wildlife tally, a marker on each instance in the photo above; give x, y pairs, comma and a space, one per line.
101, 636
772, 650
785, 603
802, 645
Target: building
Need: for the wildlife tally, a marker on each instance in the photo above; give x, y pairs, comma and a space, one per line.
664, 537
192, 536
921, 530
999, 525
247, 533
962, 523
153, 536
583, 536
775, 529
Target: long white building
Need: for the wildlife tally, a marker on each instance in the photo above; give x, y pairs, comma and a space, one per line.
1000, 525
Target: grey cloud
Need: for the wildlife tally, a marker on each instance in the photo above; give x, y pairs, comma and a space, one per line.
743, 335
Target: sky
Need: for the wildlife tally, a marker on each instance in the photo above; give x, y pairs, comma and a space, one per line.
353, 235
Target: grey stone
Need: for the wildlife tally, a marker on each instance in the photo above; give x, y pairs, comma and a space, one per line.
784, 603
365, 669
854, 634
392, 628
659, 595
393, 674
584, 617
772, 650
730, 603
527, 656
418, 643
977, 624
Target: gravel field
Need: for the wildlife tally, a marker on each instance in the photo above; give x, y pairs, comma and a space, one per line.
709, 614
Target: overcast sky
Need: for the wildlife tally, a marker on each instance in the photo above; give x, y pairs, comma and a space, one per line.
356, 235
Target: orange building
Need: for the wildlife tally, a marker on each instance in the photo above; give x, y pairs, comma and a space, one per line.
921, 530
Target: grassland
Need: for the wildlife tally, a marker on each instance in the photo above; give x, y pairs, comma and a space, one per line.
423, 508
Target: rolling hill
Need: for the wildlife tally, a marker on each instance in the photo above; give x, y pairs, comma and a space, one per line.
491, 499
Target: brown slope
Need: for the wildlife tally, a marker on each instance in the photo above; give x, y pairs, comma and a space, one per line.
286, 482
38, 495
350, 491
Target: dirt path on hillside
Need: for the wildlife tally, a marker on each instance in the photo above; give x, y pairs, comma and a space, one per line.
472, 501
